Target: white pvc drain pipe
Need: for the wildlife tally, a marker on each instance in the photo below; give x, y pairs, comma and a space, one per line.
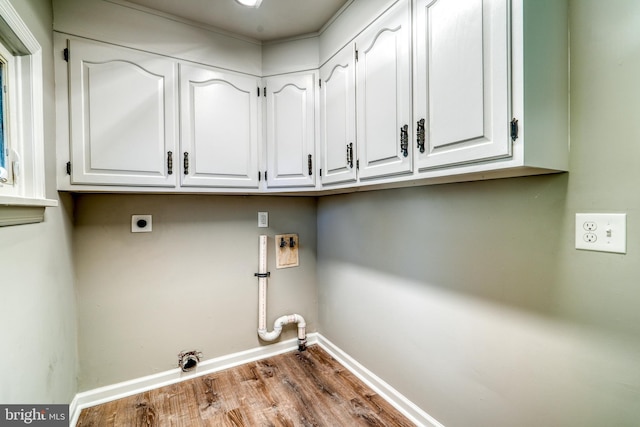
262, 306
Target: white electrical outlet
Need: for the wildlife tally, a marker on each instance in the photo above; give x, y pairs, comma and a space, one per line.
263, 219
601, 232
141, 223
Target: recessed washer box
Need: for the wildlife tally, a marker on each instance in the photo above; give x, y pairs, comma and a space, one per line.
287, 250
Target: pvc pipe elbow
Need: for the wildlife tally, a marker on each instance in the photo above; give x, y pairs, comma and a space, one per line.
299, 320
280, 323
269, 336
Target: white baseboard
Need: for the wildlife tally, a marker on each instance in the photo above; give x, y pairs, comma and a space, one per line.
74, 411
128, 388
388, 393
109, 393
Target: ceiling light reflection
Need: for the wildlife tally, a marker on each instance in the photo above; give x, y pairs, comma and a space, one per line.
250, 3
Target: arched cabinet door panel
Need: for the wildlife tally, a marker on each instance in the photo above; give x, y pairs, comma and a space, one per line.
290, 116
338, 118
220, 128
383, 81
462, 82
123, 116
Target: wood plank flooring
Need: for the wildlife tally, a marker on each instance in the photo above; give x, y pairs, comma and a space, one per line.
307, 388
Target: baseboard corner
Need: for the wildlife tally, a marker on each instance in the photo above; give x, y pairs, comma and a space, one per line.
391, 395
109, 393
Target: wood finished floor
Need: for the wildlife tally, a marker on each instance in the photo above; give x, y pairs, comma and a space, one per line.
307, 388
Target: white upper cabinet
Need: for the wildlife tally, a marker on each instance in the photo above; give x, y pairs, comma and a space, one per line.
491, 88
395, 92
383, 81
338, 117
290, 117
123, 117
462, 81
220, 128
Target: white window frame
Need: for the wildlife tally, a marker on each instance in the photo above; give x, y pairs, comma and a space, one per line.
8, 105
20, 198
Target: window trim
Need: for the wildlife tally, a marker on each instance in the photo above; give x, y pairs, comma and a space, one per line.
28, 138
7, 61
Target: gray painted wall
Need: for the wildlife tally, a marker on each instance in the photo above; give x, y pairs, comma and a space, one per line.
37, 302
189, 284
470, 298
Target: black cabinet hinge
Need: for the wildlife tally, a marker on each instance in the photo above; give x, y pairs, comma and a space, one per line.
358, 164
68, 168
319, 82
356, 54
514, 129
65, 54
264, 91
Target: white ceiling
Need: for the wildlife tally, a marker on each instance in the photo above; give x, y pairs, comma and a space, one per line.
274, 19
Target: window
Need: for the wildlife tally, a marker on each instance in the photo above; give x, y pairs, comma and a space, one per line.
3, 70
3, 114
6, 66
22, 188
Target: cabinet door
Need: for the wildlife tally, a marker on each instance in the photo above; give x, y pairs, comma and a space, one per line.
384, 94
123, 119
290, 130
462, 82
219, 128
338, 118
